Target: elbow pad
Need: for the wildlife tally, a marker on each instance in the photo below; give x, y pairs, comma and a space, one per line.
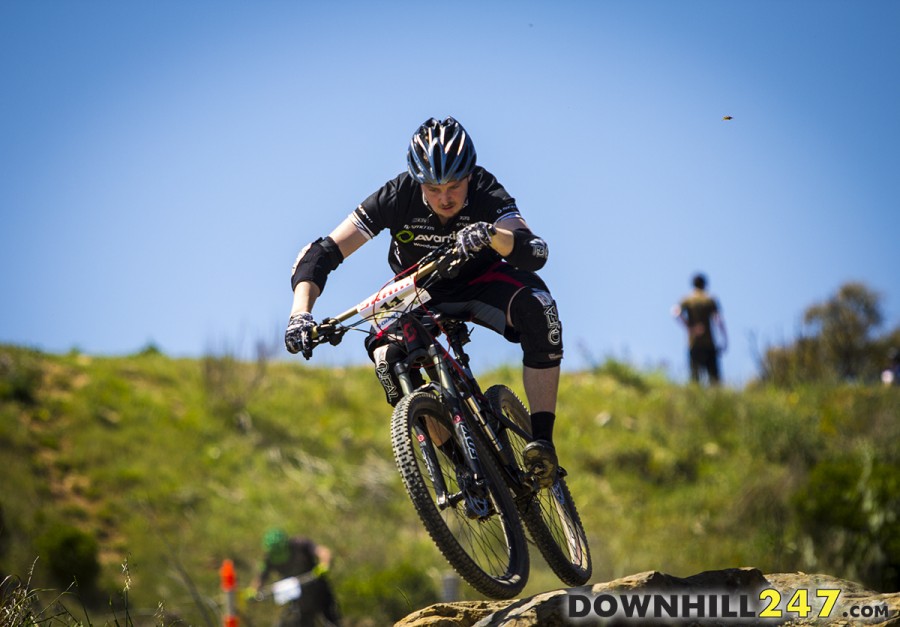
529, 251
315, 262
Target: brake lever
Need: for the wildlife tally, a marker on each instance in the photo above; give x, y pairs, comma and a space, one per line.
449, 265
322, 331
329, 330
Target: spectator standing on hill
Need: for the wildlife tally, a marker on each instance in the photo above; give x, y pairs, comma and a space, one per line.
298, 557
698, 312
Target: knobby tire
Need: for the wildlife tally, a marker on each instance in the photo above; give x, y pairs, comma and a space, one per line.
491, 554
549, 515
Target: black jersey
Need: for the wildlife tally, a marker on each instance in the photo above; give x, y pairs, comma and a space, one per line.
300, 559
697, 310
400, 207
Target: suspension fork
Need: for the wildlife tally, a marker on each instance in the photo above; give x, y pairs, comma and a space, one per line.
425, 435
402, 371
424, 439
455, 403
482, 414
457, 398
431, 463
490, 427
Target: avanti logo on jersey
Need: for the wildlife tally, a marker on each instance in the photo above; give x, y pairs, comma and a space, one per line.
423, 238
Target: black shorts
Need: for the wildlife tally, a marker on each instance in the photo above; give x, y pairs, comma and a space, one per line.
704, 359
484, 300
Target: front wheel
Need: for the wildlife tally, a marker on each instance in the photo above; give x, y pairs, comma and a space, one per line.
549, 514
475, 525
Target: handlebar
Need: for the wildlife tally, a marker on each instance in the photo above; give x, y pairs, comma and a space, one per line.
444, 261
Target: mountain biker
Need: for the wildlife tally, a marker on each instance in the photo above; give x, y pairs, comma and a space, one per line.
698, 311
443, 197
287, 556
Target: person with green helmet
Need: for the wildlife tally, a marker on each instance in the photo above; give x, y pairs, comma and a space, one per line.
286, 556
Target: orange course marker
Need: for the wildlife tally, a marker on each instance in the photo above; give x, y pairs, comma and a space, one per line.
229, 582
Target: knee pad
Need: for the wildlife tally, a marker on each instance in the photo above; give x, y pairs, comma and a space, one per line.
534, 316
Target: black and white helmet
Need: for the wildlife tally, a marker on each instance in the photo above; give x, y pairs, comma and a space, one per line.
440, 152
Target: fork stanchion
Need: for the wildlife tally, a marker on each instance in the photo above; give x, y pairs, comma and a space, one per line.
229, 583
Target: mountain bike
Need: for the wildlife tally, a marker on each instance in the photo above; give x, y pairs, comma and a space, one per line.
458, 449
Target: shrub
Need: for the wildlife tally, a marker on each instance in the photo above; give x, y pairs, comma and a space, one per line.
230, 384
4, 533
849, 510
20, 376
70, 554
838, 342
151, 349
396, 591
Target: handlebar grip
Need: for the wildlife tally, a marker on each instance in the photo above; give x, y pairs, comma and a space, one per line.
326, 331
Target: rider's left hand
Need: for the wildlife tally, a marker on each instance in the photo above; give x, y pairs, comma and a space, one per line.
297, 337
475, 237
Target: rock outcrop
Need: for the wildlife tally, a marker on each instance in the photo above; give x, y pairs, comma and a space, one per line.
728, 597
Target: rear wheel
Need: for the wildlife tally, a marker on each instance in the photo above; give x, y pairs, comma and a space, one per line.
550, 514
475, 525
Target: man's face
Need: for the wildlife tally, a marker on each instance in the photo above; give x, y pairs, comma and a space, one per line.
448, 199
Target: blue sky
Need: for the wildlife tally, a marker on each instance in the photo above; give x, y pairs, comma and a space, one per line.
161, 163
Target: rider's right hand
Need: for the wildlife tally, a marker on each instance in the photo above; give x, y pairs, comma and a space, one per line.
474, 237
298, 336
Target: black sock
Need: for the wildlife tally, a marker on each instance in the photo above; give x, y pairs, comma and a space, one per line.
542, 425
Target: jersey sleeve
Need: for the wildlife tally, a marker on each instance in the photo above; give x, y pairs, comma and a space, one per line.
373, 214
494, 198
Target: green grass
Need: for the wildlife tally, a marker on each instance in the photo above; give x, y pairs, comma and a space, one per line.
174, 465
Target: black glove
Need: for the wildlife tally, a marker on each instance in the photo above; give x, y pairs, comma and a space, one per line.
297, 337
475, 237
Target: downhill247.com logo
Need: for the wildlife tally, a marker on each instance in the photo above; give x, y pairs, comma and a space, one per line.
768, 604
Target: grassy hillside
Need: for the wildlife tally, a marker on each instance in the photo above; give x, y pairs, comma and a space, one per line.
172, 465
